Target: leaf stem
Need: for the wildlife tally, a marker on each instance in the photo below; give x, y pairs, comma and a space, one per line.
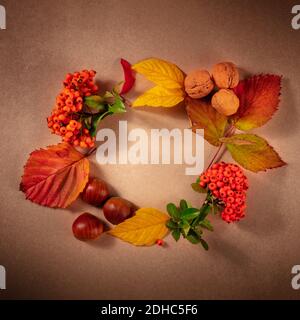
91, 152
217, 157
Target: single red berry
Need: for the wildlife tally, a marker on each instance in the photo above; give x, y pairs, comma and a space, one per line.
239, 173
220, 184
230, 199
228, 210
230, 193
213, 179
202, 184
220, 176
227, 173
204, 178
216, 193
231, 180
212, 186
160, 242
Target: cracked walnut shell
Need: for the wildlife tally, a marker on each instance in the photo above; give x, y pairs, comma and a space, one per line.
198, 84
225, 75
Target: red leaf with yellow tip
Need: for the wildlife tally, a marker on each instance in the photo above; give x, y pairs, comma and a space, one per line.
54, 177
259, 99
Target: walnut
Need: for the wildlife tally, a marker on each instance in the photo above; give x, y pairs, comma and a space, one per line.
198, 84
226, 102
225, 75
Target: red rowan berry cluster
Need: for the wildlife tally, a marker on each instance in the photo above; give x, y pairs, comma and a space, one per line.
66, 117
227, 183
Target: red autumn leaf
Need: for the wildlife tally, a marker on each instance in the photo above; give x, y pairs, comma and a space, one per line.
128, 75
259, 99
55, 176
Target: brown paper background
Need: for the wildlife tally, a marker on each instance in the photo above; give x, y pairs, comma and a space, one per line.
46, 39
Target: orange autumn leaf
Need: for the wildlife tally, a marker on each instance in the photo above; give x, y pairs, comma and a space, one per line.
55, 176
203, 116
259, 99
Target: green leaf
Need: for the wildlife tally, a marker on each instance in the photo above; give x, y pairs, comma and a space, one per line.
207, 225
176, 234
95, 102
118, 106
198, 231
173, 211
193, 237
183, 204
87, 122
108, 95
196, 187
204, 244
204, 211
172, 224
96, 120
185, 226
190, 213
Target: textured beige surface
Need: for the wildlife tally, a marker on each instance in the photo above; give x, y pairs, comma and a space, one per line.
46, 39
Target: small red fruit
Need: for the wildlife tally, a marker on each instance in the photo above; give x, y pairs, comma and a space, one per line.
95, 192
160, 242
116, 210
87, 227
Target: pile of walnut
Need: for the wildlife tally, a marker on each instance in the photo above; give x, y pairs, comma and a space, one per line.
225, 76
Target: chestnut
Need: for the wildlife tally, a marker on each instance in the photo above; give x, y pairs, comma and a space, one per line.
87, 227
117, 209
96, 192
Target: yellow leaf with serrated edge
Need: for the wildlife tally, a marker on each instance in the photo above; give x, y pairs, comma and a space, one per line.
144, 229
163, 73
253, 152
159, 97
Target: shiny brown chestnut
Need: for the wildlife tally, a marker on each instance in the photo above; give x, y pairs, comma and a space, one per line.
95, 192
117, 209
87, 227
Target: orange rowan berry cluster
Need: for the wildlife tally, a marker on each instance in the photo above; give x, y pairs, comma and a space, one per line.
65, 119
228, 183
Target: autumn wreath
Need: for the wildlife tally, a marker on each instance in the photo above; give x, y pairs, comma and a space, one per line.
218, 102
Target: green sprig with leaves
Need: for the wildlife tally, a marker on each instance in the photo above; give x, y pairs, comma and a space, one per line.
102, 106
190, 222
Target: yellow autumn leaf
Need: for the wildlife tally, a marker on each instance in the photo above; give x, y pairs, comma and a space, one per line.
144, 229
163, 73
159, 97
